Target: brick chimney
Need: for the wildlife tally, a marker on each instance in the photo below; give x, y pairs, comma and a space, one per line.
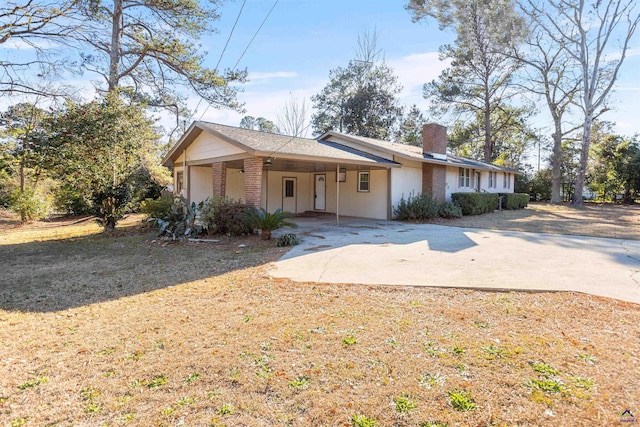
434, 140
434, 176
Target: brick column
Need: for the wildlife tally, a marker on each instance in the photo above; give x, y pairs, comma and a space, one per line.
219, 178
434, 181
253, 181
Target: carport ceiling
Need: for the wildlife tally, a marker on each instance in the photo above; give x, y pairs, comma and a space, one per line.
289, 165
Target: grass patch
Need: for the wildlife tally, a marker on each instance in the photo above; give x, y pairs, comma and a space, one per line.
404, 404
236, 347
547, 385
461, 400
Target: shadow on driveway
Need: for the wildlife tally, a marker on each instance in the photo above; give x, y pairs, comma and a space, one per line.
395, 253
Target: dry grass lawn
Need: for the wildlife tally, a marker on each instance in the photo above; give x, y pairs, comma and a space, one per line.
599, 220
124, 330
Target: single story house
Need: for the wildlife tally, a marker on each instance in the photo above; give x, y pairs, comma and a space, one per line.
336, 173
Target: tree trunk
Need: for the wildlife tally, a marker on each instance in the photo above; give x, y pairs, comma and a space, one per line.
110, 224
114, 55
488, 146
584, 160
556, 166
22, 175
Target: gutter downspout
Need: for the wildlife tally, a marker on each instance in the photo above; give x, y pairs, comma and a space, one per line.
338, 194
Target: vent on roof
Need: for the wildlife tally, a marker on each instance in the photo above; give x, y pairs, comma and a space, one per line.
438, 156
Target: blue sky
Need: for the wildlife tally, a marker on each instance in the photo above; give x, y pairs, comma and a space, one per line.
303, 39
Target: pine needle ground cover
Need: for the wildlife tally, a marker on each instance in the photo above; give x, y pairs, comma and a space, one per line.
124, 330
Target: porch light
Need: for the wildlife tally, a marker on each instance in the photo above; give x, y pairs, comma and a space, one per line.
268, 162
342, 176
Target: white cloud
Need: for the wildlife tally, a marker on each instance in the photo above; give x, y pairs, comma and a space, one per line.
23, 44
414, 71
259, 77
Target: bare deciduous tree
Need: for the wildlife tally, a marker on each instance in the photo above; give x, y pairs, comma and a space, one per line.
550, 73
586, 31
293, 117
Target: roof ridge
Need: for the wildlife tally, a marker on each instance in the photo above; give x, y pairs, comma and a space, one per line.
262, 132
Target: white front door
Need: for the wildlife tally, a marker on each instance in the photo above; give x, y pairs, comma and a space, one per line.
289, 195
320, 191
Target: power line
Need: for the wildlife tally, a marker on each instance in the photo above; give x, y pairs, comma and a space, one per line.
256, 33
222, 54
230, 34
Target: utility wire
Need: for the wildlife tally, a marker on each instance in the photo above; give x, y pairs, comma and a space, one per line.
256, 33
222, 54
230, 34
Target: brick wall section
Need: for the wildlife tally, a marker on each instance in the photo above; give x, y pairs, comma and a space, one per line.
434, 181
434, 138
219, 178
434, 177
253, 181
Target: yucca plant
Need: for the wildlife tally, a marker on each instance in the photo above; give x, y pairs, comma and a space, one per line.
266, 222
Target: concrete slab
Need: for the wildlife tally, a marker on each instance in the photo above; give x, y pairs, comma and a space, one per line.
394, 253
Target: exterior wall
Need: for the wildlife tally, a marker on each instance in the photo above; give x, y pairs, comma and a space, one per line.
207, 146
353, 203
200, 182
273, 186
235, 184
452, 183
405, 181
434, 181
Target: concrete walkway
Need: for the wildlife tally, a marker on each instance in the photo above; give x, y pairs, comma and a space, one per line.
394, 253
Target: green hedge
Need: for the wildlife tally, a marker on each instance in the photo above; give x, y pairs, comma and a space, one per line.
475, 203
513, 201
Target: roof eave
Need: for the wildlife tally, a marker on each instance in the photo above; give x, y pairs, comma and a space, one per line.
189, 137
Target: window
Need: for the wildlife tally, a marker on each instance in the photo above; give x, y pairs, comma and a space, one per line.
179, 182
288, 188
363, 182
493, 180
506, 181
464, 177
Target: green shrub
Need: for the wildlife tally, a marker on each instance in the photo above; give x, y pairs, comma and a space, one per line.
513, 201
475, 203
416, 207
221, 215
449, 210
157, 208
266, 221
109, 204
28, 204
68, 199
288, 239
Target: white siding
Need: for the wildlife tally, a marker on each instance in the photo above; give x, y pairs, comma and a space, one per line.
207, 146
452, 183
353, 203
235, 184
201, 183
272, 181
405, 181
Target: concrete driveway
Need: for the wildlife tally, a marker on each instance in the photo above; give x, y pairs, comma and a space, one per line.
394, 253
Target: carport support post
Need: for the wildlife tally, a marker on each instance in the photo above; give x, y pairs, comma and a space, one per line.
338, 194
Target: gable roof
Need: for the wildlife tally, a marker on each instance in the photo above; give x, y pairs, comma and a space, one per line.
412, 152
266, 144
358, 150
